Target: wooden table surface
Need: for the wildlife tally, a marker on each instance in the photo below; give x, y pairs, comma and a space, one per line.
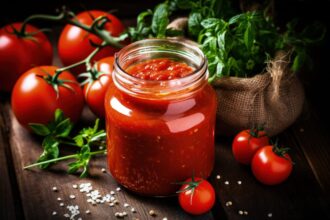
28, 194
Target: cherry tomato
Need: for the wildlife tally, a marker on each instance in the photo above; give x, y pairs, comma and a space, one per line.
94, 91
20, 53
246, 143
34, 99
196, 196
271, 165
74, 44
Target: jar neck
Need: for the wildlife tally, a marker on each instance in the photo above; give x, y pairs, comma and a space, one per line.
183, 51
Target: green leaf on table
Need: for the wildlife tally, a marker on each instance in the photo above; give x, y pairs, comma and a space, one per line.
39, 129
51, 151
63, 128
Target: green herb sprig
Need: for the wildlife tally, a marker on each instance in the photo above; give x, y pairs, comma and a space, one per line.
57, 132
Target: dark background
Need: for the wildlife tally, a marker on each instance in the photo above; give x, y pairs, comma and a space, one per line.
315, 81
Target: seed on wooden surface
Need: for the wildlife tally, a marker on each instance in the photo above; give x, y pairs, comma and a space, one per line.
229, 203
164, 218
124, 213
245, 212
54, 213
133, 210
103, 170
59, 199
88, 211
270, 215
239, 182
118, 189
61, 204
112, 193
152, 213
75, 186
54, 189
111, 204
227, 182
126, 205
72, 196
240, 212
218, 177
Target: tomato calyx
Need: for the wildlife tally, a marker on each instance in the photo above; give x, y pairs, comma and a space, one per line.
191, 185
281, 151
55, 82
256, 130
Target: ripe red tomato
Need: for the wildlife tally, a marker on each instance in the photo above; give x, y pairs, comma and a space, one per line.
20, 53
271, 165
197, 196
34, 99
95, 90
246, 143
74, 45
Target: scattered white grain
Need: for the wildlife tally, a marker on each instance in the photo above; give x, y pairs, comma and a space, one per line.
270, 215
218, 177
88, 211
245, 212
240, 212
54, 213
74, 210
61, 204
126, 205
111, 204
227, 182
59, 199
229, 203
66, 215
54, 189
112, 192
133, 210
152, 213
239, 182
124, 213
75, 186
118, 189
103, 170
85, 187
72, 196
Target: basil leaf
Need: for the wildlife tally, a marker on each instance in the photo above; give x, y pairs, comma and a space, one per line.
160, 20
194, 25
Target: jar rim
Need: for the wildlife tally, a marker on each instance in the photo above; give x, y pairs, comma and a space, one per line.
177, 85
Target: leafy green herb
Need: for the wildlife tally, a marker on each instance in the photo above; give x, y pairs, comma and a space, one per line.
57, 133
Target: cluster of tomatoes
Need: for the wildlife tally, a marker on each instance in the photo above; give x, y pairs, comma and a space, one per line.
26, 69
270, 164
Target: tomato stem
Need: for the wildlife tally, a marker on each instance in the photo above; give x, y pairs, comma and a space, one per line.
72, 156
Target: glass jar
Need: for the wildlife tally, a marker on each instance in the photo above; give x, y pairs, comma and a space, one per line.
160, 132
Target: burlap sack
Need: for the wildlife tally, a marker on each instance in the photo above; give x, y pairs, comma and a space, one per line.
273, 99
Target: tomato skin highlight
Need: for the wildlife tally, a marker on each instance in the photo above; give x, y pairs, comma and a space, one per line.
245, 145
95, 91
74, 44
34, 100
19, 54
270, 168
202, 200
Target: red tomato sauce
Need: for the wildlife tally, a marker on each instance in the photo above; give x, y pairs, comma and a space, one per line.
153, 145
160, 69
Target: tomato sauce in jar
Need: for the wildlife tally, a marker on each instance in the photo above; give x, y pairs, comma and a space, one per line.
160, 116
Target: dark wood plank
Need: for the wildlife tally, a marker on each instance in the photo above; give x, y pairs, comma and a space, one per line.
299, 197
40, 201
9, 204
312, 134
